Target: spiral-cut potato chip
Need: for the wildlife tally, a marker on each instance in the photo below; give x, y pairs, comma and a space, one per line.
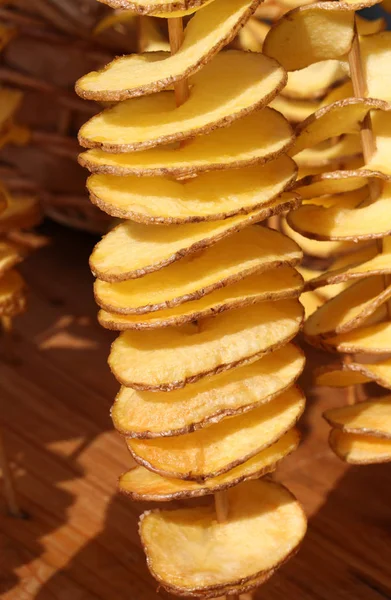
373, 339
12, 294
294, 109
22, 212
141, 484
315, 80
159, 8
10, 255
278, 284
363, 263
365, 418
335, 182
253, 250
381, 126
352, 373
148, 121
171, 358
209, 197
360, 449
151, 414
331, 154
138, 74
261, 512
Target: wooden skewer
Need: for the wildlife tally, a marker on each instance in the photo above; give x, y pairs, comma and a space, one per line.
351, 397
8, 483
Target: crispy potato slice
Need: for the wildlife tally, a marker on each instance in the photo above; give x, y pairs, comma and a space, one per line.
253, 250
258, 137
332, 154
335, 182
133, 250
10, 255
173, 357
141, 484
360, 264
217, 98
139, 74
338, 118
369, 27
209, 197
12, 294
159, 8
309, 34
359, 449
216, 449
365, 418
311, 301
294, 109
151, 414
252, 35
315, 80
277, 284
345, 220
373, 339
349, 309
381, 127
22, 212
261, 512
375, 53
379, 372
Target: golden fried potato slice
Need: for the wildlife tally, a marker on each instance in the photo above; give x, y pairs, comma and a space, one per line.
10, 101
345, 220
331, 155
381, 127
216, 449
141, 484
365, 418
258, 137
138, 74
369, 27
338, 118
358, 265
217, 99
173, 357
311, 301
159, 8
359, 449
294, 109
349, 309
315, 80
263, 515
278, 284
10, 255
373, 339
210, 197
353, 373
12, 294
22, 212
252, 250
335, 182
141, 414
133, 250
375, 53
252, 35
309, 34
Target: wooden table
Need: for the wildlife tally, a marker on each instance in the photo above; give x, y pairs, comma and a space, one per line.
80, 541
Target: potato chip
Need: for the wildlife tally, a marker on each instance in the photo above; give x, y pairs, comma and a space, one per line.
139, 74
260, 136
359, 449
278, 284
335, 182
149, 121
260, 512
253, 250
375, 56
159, 8
132, 250
22, 212
216, 449
141, 484
309, 34
357, 265
141, 414
311, 301
379, 372
373, 339
294, 109
366, 418
172, 357
331, 155
10, 255
315, 80
12, 294
381, 127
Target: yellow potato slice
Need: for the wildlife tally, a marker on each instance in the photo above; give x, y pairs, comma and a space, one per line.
252, 35
22, 212
216, 449
12, 294
335, 182
278, 284
253, 250
369, 27
381, 127
139, 74
10, 255
311, 301
294, 109
141, 484
209, 197
353, 372
343, 116
172, 357
374, 339
260, 136
315, 80
346, 220
331, 155
349, 309
217, 99
152, 414
132, 250
359, 449
365, 418
375, 53
309, 34
159, 8
360, 264
261, 512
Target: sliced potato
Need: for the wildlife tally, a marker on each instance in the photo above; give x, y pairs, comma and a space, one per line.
349, 309
152, 414
173, 357
335, 182
359, 449
138, 74
216, 100
278, 284
12, 294
373, 339
159, 8
365, 418
261, 512
294, 109
260, 136
331, 155
311, 301
252, 250
209, 197
346, 219
22, 212
375, 53
309, 34
133, 250
214, 450
381, 127
363, 263
353, 373
141, 484
10, 255
315, 80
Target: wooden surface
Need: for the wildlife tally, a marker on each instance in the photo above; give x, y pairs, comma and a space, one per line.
80, 541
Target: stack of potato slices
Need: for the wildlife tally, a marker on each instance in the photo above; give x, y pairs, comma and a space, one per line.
206, 299
350, 205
